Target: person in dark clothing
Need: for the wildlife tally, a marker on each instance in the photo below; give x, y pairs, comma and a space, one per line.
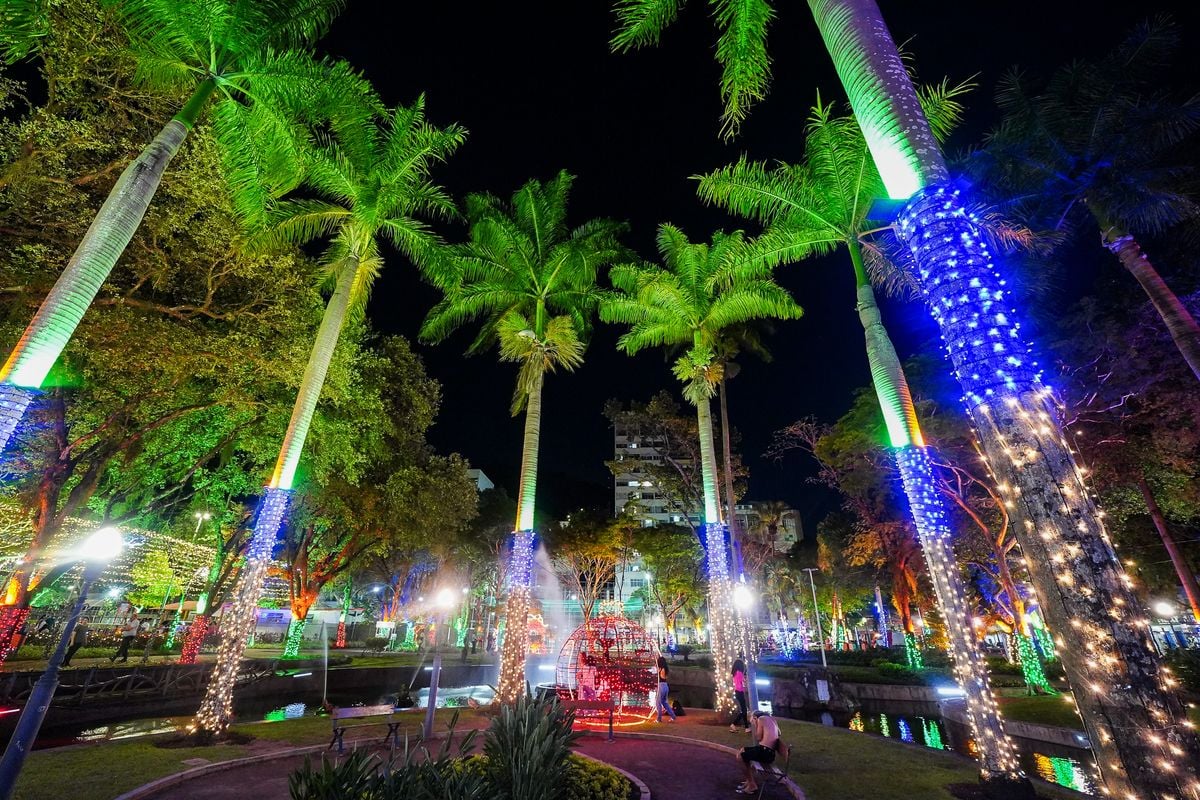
78, 640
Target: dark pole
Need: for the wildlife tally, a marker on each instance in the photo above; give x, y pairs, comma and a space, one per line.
427, 728
30, 721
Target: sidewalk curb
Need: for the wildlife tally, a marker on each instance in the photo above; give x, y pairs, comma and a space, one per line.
794, 789
166, 782
634, 779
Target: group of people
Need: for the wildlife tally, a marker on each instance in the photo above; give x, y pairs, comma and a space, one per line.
767, 741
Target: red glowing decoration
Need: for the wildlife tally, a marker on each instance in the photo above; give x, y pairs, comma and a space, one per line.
191, 642
609, 658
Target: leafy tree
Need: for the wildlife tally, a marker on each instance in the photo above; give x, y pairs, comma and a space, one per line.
672, 556
699, 293
586, 550
251, 58
531, 281
1096, 147
154, 581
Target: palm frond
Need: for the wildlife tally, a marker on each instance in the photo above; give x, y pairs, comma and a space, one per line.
23, 26
742, 54
642, 22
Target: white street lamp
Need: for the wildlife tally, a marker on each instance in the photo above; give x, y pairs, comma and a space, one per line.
97, 550
444, 600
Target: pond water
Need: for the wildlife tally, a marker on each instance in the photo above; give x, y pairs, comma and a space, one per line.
1067, 767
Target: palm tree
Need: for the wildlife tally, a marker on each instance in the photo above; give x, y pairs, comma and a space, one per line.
373, 184
531, 280
249, 57
701, 292
741, 47
1094, 147
812, 209
1136, 724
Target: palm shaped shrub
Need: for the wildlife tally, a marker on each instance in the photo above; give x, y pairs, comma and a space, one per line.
531, 280
1136, 724
373, 184
248, 61
700, 291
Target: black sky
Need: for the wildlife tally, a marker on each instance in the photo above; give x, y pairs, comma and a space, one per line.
538, 90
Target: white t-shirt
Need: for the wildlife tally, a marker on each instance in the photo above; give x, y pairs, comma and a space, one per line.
768, 731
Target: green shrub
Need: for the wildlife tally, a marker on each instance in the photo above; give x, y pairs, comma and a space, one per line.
527, 747
375, 644
588, 780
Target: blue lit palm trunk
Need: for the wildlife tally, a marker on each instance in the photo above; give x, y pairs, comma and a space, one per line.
1136, 722
996, 752
237, 624
103, 243
511, 684
721, 618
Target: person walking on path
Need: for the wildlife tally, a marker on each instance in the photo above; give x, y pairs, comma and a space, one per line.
78, 640
739, 694
767, 744
129, 632
664, 689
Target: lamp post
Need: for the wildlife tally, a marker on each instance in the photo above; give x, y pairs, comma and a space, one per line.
99, 548
444, 601
817, 614
743, 600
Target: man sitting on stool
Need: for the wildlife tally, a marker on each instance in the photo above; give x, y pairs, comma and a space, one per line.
766, 734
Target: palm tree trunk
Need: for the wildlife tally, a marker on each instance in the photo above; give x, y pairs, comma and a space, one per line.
996, 751
1184, 330
1187, 575
735, 533
216, 710
520, 565
103, 243
721, 618
1136, 725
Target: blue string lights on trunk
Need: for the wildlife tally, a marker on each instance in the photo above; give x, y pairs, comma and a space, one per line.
1134, 718
14, 401
238, 622
512, 649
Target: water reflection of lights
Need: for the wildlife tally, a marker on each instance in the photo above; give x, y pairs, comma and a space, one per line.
1064, 771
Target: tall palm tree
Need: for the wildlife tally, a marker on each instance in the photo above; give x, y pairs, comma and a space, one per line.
372, 182
1095, 146
700, 292
531, 280
815, 208
246, 60
1136, 724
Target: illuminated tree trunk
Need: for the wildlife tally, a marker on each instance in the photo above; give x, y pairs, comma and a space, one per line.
1184, 330
103, 243
1135, 722
520, 565
1187, 575
735, 533
216, 710
721, 619
996, 752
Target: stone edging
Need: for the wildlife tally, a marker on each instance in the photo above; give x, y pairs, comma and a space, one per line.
153, 787
796, 792
634, 779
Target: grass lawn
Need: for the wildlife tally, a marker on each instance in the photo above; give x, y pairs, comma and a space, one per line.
108, 769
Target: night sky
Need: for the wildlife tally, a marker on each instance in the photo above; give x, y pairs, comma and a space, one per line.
538, 89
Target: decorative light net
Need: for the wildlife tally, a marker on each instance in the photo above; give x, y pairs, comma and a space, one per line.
609, 658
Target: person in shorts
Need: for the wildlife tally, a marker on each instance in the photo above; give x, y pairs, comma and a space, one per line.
766, 738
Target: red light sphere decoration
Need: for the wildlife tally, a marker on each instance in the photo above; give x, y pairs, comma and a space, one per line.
609, 658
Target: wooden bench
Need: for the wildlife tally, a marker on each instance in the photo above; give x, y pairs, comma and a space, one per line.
776, 772
368, 713
593, 705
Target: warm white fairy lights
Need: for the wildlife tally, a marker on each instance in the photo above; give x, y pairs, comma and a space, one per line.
512, 649
722, 616
216, 710
996, 752
1135, 721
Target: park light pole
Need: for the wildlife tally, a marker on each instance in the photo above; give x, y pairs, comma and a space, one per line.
743, 600
97, 550
443, 601
816, 613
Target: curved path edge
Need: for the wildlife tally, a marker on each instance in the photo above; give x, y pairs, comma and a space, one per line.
634, 779
792, 787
